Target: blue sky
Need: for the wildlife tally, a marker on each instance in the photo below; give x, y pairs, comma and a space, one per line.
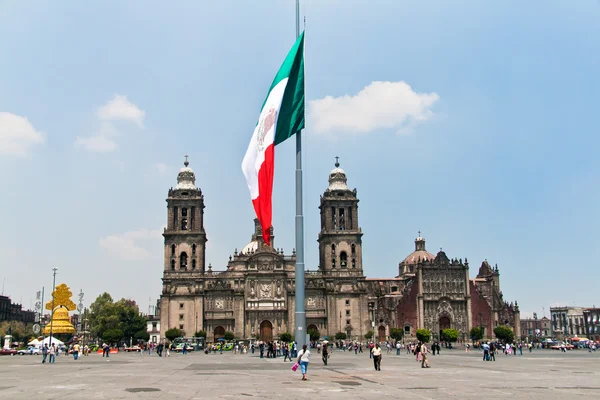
474, 122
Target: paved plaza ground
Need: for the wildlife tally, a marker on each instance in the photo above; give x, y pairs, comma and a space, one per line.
543, 374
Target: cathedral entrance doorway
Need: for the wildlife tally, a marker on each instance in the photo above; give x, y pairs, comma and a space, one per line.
266, 331
310, 328
444, 324
381, 334
219, 332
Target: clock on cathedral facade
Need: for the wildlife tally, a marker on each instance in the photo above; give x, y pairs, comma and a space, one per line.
254, 296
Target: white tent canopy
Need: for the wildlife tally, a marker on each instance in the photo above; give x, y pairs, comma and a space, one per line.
34, 342
54, 341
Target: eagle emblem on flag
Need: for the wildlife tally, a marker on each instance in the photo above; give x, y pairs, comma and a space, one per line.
265, 124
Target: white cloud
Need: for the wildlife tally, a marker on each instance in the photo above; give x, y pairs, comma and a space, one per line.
17, 135
132, 245
119, 108
380, 105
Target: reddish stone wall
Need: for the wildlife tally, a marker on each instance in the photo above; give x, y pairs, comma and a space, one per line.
407, 310
480, 306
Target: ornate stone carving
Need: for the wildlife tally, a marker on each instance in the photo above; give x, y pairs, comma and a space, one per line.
444, 309
265, 290
219, 304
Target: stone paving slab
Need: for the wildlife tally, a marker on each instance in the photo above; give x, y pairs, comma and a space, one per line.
453, 375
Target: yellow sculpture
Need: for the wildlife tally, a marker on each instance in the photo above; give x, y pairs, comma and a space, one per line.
60, 322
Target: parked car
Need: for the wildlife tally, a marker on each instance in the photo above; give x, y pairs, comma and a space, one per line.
179, 347
30, 351
7, 352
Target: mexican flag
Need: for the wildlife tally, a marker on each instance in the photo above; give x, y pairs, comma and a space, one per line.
281, 116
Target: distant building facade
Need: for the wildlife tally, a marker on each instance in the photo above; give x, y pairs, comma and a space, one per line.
10, 311
255, 296
591, 319
536, 329
153, 328
567, 321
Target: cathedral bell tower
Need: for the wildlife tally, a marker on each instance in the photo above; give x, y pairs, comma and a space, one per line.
185, 237
340, 239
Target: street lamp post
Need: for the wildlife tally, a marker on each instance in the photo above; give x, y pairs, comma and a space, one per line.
53, 289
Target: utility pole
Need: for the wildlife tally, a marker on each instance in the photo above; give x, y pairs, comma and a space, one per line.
53, 289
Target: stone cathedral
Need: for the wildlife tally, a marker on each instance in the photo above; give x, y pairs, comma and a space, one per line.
254, 296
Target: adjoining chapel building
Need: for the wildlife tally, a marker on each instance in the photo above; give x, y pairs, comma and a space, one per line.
254, 297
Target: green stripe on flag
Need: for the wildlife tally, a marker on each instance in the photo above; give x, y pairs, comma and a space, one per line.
291, 113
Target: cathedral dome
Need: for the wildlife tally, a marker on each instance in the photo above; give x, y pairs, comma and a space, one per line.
250, 247
419, 254
337, 178
186, 179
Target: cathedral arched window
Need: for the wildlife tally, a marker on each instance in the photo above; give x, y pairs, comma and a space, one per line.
183, 260
194, 249
333, 262
172, 265
333, 250
353, 247
342, 221
193, 264
173, 249
354, 263
184, 224
343, 259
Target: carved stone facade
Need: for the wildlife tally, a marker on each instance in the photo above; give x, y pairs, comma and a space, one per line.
254, 296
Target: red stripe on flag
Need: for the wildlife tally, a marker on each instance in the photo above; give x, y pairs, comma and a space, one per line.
263, 204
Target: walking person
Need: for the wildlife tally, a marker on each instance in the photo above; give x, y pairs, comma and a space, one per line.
52, 352
75, 351
303, 360
44, 353
424, 351
286, 352
377, 357
325, 352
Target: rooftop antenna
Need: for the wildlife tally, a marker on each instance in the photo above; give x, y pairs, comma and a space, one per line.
3, 281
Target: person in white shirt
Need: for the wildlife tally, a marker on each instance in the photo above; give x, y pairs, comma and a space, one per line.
377, 357
303, 359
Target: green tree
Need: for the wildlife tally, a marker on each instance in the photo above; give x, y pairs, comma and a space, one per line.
340, 336
228, 336
201, 334
19, 331
314, 334
130, 319
285, 337
142, 336
105, 314
504, 333
173, 334
396, 333
423, 335
476, 333
112, 336
449, 335
369, 335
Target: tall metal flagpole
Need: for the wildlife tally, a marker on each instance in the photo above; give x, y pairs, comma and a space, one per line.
52, 312
300, 335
